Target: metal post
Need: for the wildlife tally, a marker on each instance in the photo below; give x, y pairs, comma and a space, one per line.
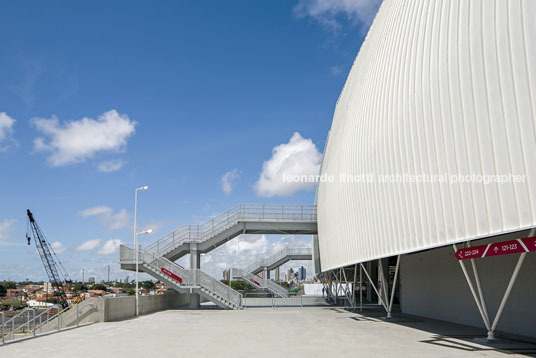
3, 322
385, 284
491, 334
479, 287
394, 287
470, 283
33, 320
136, 245
360, 288
375, 289
346, 284
353, 287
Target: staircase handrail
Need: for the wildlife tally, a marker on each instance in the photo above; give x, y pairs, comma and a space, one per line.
223, 221
288, 251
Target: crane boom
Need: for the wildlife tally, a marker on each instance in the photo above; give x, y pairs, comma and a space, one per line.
47, 255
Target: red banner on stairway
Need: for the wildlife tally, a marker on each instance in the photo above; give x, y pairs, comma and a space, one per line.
171, 274
499, 248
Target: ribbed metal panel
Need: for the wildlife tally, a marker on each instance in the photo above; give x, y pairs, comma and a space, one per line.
438, 87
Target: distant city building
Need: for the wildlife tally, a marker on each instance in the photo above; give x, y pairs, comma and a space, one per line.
47, 286
301, 273
91, 279
227, 274
289, 275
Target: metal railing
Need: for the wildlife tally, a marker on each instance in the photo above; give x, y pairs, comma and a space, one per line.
252, 300
157, 263
239, 213
211, 284
288, 251
190, 278
257, 281
34, 322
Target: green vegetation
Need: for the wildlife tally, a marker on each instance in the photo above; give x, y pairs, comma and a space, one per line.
99, 286
15, 304
129, 291
80, 287
125, 285
3, 290
9, 285
148, 285
238, 285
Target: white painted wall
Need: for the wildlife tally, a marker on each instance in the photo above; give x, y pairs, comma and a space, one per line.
433, 285
438, 87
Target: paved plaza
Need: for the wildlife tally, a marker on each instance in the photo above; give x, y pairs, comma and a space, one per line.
265, 332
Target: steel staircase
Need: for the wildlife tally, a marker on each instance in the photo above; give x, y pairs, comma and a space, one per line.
158, 259
241, 219
281, 257
183, 280
258, 282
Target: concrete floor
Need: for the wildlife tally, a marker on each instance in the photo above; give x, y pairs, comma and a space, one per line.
259, 332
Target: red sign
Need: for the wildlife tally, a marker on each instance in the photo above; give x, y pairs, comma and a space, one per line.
171, 274
471, 252
530, 243
500, 248
255, 282
505, 248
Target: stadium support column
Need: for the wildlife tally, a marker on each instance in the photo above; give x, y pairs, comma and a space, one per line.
277, 276
265, 273
195, 264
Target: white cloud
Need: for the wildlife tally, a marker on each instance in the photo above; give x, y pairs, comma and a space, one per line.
32, 70
88, 245
58, 247
111, 165
297, 157
327, 12
107, 217
251, 248
335, 70
6, 131
76, 141
5, 228
253, 245
109, 247
228, 179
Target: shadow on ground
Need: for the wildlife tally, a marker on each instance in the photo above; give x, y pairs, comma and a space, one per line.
446, 334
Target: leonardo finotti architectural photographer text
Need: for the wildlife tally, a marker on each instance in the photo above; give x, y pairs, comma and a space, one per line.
407, 178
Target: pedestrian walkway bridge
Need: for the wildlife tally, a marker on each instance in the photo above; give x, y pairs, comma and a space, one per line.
280, 258
158, 259
264, 266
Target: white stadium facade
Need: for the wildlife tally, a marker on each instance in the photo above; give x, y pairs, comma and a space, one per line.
432, 149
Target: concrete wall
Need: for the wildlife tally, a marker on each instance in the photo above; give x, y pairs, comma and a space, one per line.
433, 285
115, 309
87, 311
119, 308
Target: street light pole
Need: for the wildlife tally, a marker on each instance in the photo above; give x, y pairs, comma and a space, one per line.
136, 241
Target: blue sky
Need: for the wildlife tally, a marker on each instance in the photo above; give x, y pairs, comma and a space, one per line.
188, 97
